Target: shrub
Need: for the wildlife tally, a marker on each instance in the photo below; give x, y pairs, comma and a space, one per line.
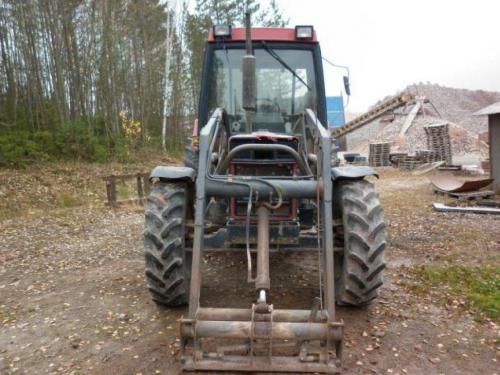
18, 148
79, 140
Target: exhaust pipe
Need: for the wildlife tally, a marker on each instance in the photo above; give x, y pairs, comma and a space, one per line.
249, 99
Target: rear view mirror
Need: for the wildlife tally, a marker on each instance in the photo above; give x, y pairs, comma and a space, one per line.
347, 86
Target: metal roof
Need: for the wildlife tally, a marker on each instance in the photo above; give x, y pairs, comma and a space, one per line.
492, 109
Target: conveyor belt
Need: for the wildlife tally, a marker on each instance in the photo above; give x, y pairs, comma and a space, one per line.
386, 105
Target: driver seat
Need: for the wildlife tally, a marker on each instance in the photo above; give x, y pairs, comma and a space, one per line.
270, 121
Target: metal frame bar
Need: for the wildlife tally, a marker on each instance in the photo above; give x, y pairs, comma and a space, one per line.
209, 313
324, 143
279, 364
262, 280
206, 136
259, 147
290, 188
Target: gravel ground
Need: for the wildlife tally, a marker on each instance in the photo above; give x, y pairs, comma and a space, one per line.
73, 298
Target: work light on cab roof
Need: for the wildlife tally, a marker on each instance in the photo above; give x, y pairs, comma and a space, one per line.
222, 31
304, 32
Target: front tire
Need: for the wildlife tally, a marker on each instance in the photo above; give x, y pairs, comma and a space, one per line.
362, 233
167, 265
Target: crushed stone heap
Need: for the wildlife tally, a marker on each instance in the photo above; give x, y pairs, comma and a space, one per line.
404, 127
415, 139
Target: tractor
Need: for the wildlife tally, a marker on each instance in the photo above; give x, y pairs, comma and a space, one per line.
258, 179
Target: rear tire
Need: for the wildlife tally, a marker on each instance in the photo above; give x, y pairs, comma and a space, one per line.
167, 265
359, 268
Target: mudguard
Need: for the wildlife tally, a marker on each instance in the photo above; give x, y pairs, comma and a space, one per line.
352, 173
173, 173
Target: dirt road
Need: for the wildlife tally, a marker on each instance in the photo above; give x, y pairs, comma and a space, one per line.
73, 299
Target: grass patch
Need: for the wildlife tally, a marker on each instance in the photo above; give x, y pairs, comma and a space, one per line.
479, 286
122, 191
6, 316
69, 201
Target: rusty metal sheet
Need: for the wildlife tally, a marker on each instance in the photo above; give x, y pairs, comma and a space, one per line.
449, 183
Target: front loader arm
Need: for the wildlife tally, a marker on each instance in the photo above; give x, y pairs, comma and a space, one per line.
261, 328
323, 151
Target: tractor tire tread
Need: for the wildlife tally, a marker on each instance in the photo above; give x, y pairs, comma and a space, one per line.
167, 271
364, 243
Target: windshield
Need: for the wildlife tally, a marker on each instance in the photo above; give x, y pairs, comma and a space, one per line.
281, 95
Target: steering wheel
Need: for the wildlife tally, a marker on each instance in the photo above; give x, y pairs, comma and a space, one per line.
268, 105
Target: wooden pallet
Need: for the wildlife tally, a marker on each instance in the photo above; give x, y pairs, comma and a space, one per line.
438, 140
379, 154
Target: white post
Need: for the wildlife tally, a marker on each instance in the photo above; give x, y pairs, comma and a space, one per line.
168, 84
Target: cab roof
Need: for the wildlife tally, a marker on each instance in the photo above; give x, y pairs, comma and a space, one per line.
268, 34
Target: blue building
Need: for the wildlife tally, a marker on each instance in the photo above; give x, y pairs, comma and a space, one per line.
335, 111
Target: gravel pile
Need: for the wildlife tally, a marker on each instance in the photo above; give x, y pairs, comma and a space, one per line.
454, 107
415, 139
458, 105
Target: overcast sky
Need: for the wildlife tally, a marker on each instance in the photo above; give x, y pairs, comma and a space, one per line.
389, 44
